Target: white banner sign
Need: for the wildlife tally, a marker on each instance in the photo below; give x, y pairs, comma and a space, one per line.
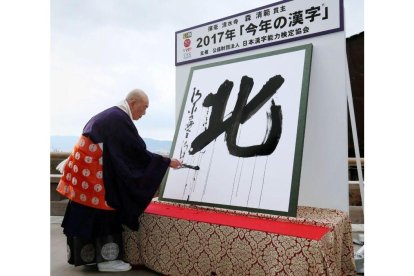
246, 139
276, 23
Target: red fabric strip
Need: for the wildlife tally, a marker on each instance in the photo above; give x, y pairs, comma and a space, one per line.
252, 223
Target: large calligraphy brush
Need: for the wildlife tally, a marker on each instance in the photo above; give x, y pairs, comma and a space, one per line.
190, 167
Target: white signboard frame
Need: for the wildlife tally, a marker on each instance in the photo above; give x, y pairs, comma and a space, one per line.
252, 164
277, 23
324, 172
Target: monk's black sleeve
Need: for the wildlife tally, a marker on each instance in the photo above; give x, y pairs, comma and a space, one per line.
132, 174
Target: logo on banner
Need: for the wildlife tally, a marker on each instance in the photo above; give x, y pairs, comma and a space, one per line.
187, 35
187, 44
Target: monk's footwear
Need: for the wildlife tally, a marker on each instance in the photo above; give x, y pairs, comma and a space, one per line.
114, 266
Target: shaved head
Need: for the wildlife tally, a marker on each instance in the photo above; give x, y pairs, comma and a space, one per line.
138, 103
137, 95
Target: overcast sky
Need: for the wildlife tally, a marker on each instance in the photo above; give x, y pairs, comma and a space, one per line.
102, 49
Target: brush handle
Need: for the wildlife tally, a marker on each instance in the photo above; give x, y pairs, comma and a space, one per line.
190, 167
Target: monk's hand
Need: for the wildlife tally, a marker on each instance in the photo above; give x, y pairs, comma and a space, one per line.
175, 163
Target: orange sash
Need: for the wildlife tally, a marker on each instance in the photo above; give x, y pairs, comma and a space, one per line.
82, 179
